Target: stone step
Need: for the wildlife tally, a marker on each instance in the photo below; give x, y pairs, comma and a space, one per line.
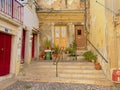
61, 67
81, 52
77, 76
68, 75
6, 83
68, 63
65, 71
61, 63
75, 72
65, 65
103, 82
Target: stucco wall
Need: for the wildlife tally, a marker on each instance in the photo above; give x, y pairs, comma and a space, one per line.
103, 33
30, 18
98, 33
14, 29
60, 4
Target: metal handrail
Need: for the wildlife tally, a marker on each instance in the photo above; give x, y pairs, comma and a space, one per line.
98, 51
58, 59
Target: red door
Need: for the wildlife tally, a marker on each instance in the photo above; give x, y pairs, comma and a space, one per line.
33, 45
5, 53
23, 46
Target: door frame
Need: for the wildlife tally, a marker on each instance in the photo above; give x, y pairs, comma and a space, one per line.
7, 62
23, 46
60, 32
84, 37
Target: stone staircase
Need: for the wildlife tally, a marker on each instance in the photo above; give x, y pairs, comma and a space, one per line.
80, 56
68, 72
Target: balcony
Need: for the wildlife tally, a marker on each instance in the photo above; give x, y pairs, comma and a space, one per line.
13, 9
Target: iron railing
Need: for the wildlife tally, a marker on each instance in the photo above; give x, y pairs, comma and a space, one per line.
58, 59
98, 51
12, 8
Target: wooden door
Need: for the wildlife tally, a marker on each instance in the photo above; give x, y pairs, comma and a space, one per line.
60, 36
33, 45
80, 37
5, 53
23, 46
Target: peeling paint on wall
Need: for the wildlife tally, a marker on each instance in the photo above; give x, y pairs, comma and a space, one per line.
70, 2
59, 4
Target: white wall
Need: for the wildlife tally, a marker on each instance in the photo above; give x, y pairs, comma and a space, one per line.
30, 18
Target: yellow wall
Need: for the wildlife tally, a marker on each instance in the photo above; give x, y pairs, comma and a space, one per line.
102, 33
118, 41
98, 32
118, 32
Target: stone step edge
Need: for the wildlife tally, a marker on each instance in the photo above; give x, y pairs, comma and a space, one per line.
7, 83
39, 77
60, 80
65, 72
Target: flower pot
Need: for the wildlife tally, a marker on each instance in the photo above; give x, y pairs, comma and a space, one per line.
97, 66
42, 57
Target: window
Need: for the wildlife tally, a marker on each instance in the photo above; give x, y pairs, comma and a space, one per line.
57, 32
63, 31
79, 32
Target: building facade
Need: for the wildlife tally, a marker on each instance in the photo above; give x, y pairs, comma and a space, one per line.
11, 20
104, 33
62, 21
19, 41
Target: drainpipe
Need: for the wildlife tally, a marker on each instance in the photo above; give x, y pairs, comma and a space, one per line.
85, 2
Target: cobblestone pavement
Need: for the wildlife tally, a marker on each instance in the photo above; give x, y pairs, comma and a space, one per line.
56, 86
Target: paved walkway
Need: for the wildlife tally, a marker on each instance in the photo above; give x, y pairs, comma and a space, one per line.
57, 86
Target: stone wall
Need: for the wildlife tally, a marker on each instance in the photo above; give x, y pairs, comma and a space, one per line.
59, 4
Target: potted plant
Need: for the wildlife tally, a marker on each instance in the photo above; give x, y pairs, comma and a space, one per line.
88, 55
56, 51
68, 49
42, 56
47, 44
97, 66
71, 49
94, 58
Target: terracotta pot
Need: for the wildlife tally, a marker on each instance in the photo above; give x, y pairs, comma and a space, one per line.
42, 57
54, 56
97, 66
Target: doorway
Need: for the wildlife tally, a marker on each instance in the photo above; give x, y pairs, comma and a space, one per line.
5, 53
33, 46
23, 47
80, 37
60, 36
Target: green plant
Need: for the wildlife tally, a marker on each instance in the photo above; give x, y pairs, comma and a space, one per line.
71, 49
95, 58
28, 86
47, 43
56, 49
68, 49
90, 56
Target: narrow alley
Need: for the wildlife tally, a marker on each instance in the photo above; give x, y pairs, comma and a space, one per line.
59, 44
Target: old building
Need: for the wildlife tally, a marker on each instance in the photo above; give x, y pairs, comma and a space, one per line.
62, 21
104, 33
18, 38
11, 20
93, 25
